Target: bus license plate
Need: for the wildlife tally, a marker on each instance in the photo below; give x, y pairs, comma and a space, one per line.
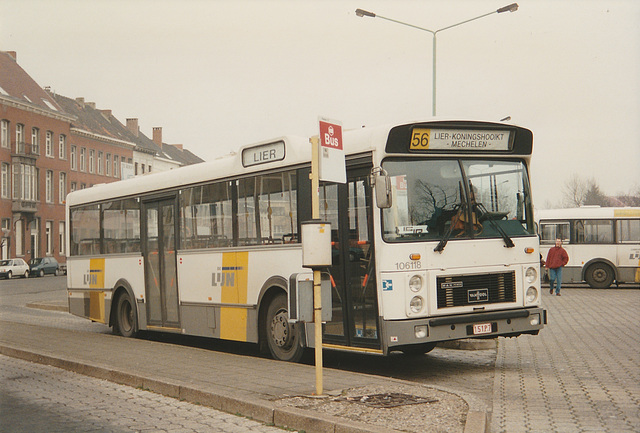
482, 328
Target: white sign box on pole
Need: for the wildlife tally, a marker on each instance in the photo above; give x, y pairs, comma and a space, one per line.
331, 158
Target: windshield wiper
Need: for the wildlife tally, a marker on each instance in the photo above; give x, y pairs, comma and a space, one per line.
445, 238
508, 242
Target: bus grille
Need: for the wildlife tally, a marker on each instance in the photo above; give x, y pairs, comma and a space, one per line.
460, 290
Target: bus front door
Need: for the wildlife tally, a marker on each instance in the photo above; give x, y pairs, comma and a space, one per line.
159, 251
354, 299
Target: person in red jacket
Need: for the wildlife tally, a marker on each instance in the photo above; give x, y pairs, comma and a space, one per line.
557, 258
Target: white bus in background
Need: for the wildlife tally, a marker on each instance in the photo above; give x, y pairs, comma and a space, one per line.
212, 249
603, 243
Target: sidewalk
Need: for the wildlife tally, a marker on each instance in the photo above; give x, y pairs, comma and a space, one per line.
270, 391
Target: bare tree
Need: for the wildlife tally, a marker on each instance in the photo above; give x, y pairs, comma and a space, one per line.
574, 191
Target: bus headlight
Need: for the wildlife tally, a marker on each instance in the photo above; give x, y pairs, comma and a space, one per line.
532, 294
416, 304
415, 283
530, 275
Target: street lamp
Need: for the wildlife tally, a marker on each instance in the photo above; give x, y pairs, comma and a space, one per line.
362, 13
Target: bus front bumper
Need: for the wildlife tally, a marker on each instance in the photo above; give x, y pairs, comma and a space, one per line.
505, 323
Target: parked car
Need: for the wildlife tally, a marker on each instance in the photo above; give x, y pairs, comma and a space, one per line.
11, 267
43, 266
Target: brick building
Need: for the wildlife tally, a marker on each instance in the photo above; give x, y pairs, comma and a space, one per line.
51, 145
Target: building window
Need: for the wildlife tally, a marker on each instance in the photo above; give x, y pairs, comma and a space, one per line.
62, 147
136, 169
49, 187
108, 165
62, 191
73, 157
4, 133
35, 140
92, 154
36, 184
73, 186
24, 182
48, 144
142, 168
20, 138
48, 234
61, 236
83, 159
5, 187
116, 166
99, 162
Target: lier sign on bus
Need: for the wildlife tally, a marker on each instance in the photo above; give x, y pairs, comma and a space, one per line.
331, 161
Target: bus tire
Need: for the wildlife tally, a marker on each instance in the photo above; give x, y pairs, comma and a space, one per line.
125, 322
599, 276
418, 349
283, 338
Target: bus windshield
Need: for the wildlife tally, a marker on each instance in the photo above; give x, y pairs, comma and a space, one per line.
440, 199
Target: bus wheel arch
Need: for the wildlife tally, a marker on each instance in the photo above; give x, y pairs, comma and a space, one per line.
278, 337
123, 316
599, 273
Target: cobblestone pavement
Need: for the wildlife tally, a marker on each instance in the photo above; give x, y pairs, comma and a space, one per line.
40, 398
581, 374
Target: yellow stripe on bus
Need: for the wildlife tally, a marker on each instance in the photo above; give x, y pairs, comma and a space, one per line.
621, 213
233, 320
96, 272
96, 306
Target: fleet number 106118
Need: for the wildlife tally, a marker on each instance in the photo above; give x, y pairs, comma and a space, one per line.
406, 266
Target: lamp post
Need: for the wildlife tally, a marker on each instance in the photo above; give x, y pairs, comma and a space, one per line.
362, 13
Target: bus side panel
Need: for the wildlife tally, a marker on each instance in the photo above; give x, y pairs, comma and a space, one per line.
91, 283
219, 290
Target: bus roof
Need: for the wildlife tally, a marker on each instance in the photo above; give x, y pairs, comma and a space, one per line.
281, 152
595, 212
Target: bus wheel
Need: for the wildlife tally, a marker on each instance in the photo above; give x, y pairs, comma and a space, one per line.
599, 276
418, 349
125, 318
283, 338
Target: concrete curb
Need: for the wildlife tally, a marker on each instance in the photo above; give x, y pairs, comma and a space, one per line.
50, 306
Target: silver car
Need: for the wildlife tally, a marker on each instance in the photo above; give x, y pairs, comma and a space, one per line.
11, 267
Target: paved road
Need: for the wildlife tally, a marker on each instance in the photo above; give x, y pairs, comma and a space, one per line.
581, 374
39, 398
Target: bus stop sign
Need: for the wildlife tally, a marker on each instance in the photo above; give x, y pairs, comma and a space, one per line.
331, 158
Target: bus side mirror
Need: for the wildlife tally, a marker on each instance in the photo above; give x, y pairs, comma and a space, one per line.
381, 182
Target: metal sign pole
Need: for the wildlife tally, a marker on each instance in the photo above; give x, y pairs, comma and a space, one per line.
317, 298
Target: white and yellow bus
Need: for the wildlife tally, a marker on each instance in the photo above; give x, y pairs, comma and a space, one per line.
603, 243
443, 248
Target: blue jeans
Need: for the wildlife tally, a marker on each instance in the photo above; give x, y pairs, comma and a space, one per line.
555, 276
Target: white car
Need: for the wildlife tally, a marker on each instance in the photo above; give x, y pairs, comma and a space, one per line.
11, 267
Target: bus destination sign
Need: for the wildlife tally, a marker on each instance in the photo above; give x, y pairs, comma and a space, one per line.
423, 139
263, 154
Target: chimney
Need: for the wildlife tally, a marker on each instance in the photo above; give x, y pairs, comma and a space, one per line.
80, 101
106, 113
13, 54
157, 135
132, 126
179, 146
91, 105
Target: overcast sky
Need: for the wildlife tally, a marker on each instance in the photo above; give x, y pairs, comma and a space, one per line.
216, 75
